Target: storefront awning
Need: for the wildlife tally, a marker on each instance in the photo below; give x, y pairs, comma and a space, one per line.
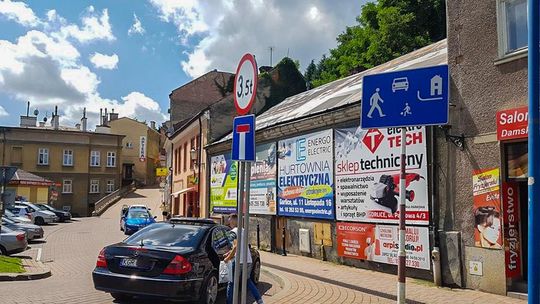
175, 194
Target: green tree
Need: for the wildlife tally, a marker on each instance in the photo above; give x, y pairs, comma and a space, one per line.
311, 72
386, 29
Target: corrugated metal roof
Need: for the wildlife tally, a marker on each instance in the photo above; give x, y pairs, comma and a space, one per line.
346, 90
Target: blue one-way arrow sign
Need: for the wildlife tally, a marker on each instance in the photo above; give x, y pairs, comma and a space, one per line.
243, 141
405, 98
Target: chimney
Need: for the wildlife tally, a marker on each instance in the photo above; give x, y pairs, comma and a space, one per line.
113, 116
100, 117
84, 121
106, 118
42, 124
153, 124
56, 119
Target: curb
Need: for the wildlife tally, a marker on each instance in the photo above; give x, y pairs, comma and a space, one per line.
44, 273
274, 277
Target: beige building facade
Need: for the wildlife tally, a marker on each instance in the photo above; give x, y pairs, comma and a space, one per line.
140, 149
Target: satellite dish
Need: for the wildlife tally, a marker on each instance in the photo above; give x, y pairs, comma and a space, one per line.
45, 119
36, 112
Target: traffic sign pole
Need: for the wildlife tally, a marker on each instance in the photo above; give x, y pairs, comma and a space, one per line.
245, 274
402, 208
239, 237
534, 149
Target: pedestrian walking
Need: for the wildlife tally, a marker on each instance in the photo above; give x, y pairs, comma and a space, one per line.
164, 211
233, 223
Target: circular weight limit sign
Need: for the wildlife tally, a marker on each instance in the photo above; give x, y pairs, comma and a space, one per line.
245, 84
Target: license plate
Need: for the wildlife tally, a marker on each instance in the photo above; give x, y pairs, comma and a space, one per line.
128, 263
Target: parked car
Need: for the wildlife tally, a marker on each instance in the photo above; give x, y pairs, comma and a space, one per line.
176, 260
32, 231
20, 219
12, 241
40, 217
63, 216
21, 211
135, 219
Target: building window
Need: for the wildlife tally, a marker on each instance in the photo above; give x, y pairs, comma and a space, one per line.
185, 156
68, 158
94, 186
94, 159
67, 186
512, 26
43, 156
111, 159
16, 155
110, 186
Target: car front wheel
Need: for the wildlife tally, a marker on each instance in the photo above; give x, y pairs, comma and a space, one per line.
209, 290
39, 221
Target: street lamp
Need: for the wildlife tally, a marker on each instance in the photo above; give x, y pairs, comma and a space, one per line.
193, 153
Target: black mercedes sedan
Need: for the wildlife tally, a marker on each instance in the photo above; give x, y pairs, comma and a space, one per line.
177, 260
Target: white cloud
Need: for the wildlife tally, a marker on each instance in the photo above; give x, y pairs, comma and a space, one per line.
102, 61
3, 112
137, 27
94, 27
137, 105
226, 29
18, 12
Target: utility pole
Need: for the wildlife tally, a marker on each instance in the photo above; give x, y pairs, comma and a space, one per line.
271, 48
534, 149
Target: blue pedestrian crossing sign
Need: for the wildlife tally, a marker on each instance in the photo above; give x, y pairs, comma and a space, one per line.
417, 97
243, 141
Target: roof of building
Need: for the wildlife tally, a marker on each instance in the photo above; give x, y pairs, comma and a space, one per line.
22, 177
344, 91
60, 130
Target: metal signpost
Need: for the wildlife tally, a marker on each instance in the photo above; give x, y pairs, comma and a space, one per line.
243, 151
403, 99
534, 149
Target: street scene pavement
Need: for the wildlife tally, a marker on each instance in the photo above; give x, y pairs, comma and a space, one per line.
70, 250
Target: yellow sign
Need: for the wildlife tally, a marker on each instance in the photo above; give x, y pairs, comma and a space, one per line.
162, 171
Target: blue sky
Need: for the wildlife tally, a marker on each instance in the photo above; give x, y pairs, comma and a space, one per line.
96, 54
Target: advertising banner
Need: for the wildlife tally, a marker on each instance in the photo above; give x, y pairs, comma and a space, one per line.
142, 148
223, 182
263, 181
305, 176
367, 175
513, 123
487, 209
510, 201
379, 243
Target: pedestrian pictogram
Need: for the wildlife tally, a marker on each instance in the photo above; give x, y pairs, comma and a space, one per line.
406, 110
374, 103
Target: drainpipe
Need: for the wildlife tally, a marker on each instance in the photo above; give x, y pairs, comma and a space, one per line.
435, 253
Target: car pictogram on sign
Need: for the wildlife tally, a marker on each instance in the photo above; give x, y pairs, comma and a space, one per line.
373, 139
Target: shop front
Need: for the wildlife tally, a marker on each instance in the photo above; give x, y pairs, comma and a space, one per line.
512, 132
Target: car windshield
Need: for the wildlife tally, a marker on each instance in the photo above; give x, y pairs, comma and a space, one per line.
42, 207
168, 235
138, 214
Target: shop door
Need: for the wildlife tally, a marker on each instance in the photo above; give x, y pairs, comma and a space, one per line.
280, 223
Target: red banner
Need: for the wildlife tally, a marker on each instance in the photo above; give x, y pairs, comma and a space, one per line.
512, 124
510, 200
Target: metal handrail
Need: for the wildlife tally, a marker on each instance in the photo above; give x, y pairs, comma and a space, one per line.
111, 198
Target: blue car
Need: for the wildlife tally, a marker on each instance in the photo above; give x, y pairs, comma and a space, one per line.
135, 219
